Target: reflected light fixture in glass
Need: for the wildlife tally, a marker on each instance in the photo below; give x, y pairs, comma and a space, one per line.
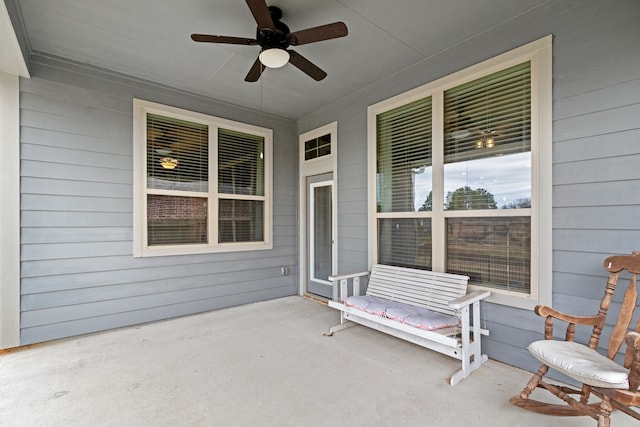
169, 162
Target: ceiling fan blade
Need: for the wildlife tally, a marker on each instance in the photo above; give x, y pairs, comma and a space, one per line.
261, 14
206, 38
255, 72
306, 66
316, 34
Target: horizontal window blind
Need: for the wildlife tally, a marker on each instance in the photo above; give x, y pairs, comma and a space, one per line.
404, 149
177, 154
405, 242
489, 116
494, 252
240, 163
240, 221
174, 220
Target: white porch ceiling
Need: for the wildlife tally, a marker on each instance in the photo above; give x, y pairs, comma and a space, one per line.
149, 39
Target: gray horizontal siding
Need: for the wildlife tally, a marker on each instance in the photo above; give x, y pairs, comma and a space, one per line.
66, 306
78, 272
152, 312
596, 152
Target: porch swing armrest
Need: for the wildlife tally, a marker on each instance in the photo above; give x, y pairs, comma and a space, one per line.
468, 299
340, 282
595, 320
339, 277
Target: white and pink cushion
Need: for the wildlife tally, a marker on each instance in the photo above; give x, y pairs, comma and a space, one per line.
361, 302
418, 317
432, 321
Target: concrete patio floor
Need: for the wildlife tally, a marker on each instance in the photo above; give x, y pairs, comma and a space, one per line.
263, 364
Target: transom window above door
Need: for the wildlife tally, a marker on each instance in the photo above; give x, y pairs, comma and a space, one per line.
319, 146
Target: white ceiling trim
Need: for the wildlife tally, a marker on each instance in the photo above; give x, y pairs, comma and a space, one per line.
11, 58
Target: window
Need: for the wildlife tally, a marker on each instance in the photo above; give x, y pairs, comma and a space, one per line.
460, 177
317, 147
403, 170
202, 184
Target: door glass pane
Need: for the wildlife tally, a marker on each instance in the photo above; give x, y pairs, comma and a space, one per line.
322, 233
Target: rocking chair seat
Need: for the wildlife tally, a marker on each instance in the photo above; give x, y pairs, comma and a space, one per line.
581, 363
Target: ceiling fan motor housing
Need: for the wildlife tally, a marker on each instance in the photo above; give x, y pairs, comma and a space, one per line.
269, 39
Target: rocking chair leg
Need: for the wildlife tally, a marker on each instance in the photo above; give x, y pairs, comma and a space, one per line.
586, 392
605, 412
534, 381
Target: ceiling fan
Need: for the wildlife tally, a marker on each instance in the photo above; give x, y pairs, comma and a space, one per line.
274, 37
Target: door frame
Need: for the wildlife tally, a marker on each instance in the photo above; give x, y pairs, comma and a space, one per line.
307, 168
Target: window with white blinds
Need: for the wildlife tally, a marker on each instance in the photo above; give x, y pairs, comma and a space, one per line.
202, 183
487, 166
240, 186
403, 176
455, 187
403, 157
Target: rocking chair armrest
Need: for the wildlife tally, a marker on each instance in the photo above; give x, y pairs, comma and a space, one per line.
633, 340
544, 311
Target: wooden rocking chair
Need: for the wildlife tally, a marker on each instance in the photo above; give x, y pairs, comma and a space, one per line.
616, 386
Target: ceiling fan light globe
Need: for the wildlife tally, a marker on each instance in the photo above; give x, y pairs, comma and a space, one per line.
274, 58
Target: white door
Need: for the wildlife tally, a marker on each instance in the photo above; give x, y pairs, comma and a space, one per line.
320, 234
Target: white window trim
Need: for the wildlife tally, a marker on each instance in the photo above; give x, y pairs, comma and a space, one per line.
317, 166
539, 53
140, 248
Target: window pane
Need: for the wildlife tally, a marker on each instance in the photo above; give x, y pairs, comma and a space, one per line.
502, 182
404, 157
494, 252
241, 221
488, 141
317, 147
175, 220
177, 154
489, 116
240, 163
405, 242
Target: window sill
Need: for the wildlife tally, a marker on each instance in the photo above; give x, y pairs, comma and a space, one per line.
200, 249
511, 299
